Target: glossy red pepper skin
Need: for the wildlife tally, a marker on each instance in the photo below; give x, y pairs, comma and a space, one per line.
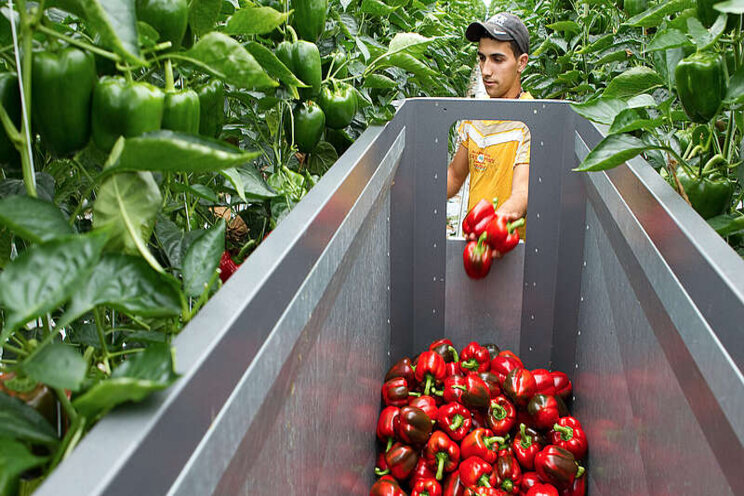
402, 368
563, 387
386, 486
544, 381
557, 466
446, 349
427, 403
475, 471
502, 415
441, 454
529, 479
387, 425
508, 473
414, 427
492, 381
477, 219
542, 490
429, 369
401, 460
453, 388
453, 485
426, 487
455, 420
482, 443
474, 358
492, 348
519, 386
568, 434
451, 368
227, 266
544, 411
525, 447
422, 471
479, 419
489, 491
502, 235
578, 488
381, 467
395, 392
477, 258
501, 365
476, 395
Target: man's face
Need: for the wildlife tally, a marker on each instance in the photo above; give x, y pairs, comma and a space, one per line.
499, 68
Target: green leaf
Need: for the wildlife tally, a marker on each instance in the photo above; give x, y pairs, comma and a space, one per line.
6, 247
202, 259
633, 82
15, 459
601, 110
565, 26
254, 185
735, 91
668, 38
127, 204
57, 365
114, 20
629, 120
656, 14
599, 44
322, 158
197, 190
362, 48
730, 7
232, 176
172, 151
225, 58
642, 101
727, 224
612, 151
45, 276
44, 187
128, 284
409, 63
613, 56
171, 239
255, 20
379, 81
20, 421
703, 38
274, 67
376, 8
203, 15
413, 43
134, 380
33, 219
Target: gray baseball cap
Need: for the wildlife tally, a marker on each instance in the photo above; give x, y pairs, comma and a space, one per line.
503, 27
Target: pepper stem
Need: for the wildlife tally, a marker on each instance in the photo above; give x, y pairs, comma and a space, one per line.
580, 471
513, 225
566, 431
507, 485
454, 354
456, 422
526, 441
428, 384
389, 444
381, 472
483, 481
441, 458
472, 363
499, 412
490, 441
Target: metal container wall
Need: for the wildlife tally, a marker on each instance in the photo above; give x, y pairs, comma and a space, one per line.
619, 283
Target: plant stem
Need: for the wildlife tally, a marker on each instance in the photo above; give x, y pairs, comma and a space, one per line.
80, 44
102, 339
126, 352
24, 73
66, 404
18, 351
169, 83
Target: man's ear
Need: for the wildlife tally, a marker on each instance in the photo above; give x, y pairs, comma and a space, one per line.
522, 62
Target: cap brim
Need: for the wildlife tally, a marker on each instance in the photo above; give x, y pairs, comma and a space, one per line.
477, 30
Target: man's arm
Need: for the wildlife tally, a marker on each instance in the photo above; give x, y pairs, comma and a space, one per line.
516, 206
457, 171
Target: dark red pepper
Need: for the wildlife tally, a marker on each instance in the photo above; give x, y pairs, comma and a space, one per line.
403, 368
453, 485
401, 460
387, 425
414, 427
544, 381
455, 420
453, 388
481, 443
503, 235
529, 479
395, 392
477, 258
426, 487
501, 365
429, 369
544, 411
441, 453
557, 466
508, 473
542, 490
492, 348
492, 381
386, 486
427, 403
422, 471
562, 384
475, 471
568, 434
446, 349
489, 491
501, 416
381, 467
227, 266
476, 394
525, 447
474, 358
519, 386
451, 368
476, 221
578, 488
479, 419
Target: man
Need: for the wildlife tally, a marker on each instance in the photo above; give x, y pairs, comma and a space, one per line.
496, 154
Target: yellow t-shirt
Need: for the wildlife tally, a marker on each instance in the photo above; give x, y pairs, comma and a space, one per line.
494, 149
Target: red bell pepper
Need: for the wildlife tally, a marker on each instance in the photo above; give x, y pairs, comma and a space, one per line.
542, 490
529, 479
544, 411
227, 266
395, 392
381, 467
492, 381
562, 384
479, 419
481, 443
476, 394
474, 358
519, 386
493, 349
387, 425
476, 221
422, 471
429, 369
489, 491
426, 487
502, 234
453, 485
544, 381
501, 416
455, 420
441, 452
508, 473
403, 368
475, 471
525, 447
401, 460
453, 388
501, 365
510, 353
386, 486
557, 466
446, 349
451, 368
427, 403
414, 427
578, 488
477, 258
569, 435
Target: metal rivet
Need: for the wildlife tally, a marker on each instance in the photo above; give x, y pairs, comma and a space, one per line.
435, 279
582, 298
436, 104
435, 211
577, 365
538, 215
535, 250
532, 317
584, 264
542, 143
579, 333
435, 245
539, 179
388, 323
530, 348
436, 140
534, 111
433, 310
534, 284
436, 176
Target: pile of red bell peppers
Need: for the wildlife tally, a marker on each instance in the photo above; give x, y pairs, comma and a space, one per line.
492, 234
477, 423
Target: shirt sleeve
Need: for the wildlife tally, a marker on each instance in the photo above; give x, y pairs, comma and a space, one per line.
462, 133
523, 151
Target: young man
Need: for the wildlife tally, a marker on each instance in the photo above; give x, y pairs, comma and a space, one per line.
496, 154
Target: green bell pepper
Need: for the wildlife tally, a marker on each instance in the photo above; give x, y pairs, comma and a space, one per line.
181, 111
168, 17
124, 108
709, 195
10, 98
211, 108
339, 105
706, 14
309, 18
309, 122
61, 94
303, 59
701, 81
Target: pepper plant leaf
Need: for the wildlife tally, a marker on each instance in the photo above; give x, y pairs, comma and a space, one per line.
666, 39
45, 276
15, 459
413, 43
633, 82
203, 15
612, 151
376, 8
379, 81
253, 184
653, 16
33, 219
255, 20
602, 110
630, 120
730, 7
20, 421
735, 91
57, 365
275, 67
202, 259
